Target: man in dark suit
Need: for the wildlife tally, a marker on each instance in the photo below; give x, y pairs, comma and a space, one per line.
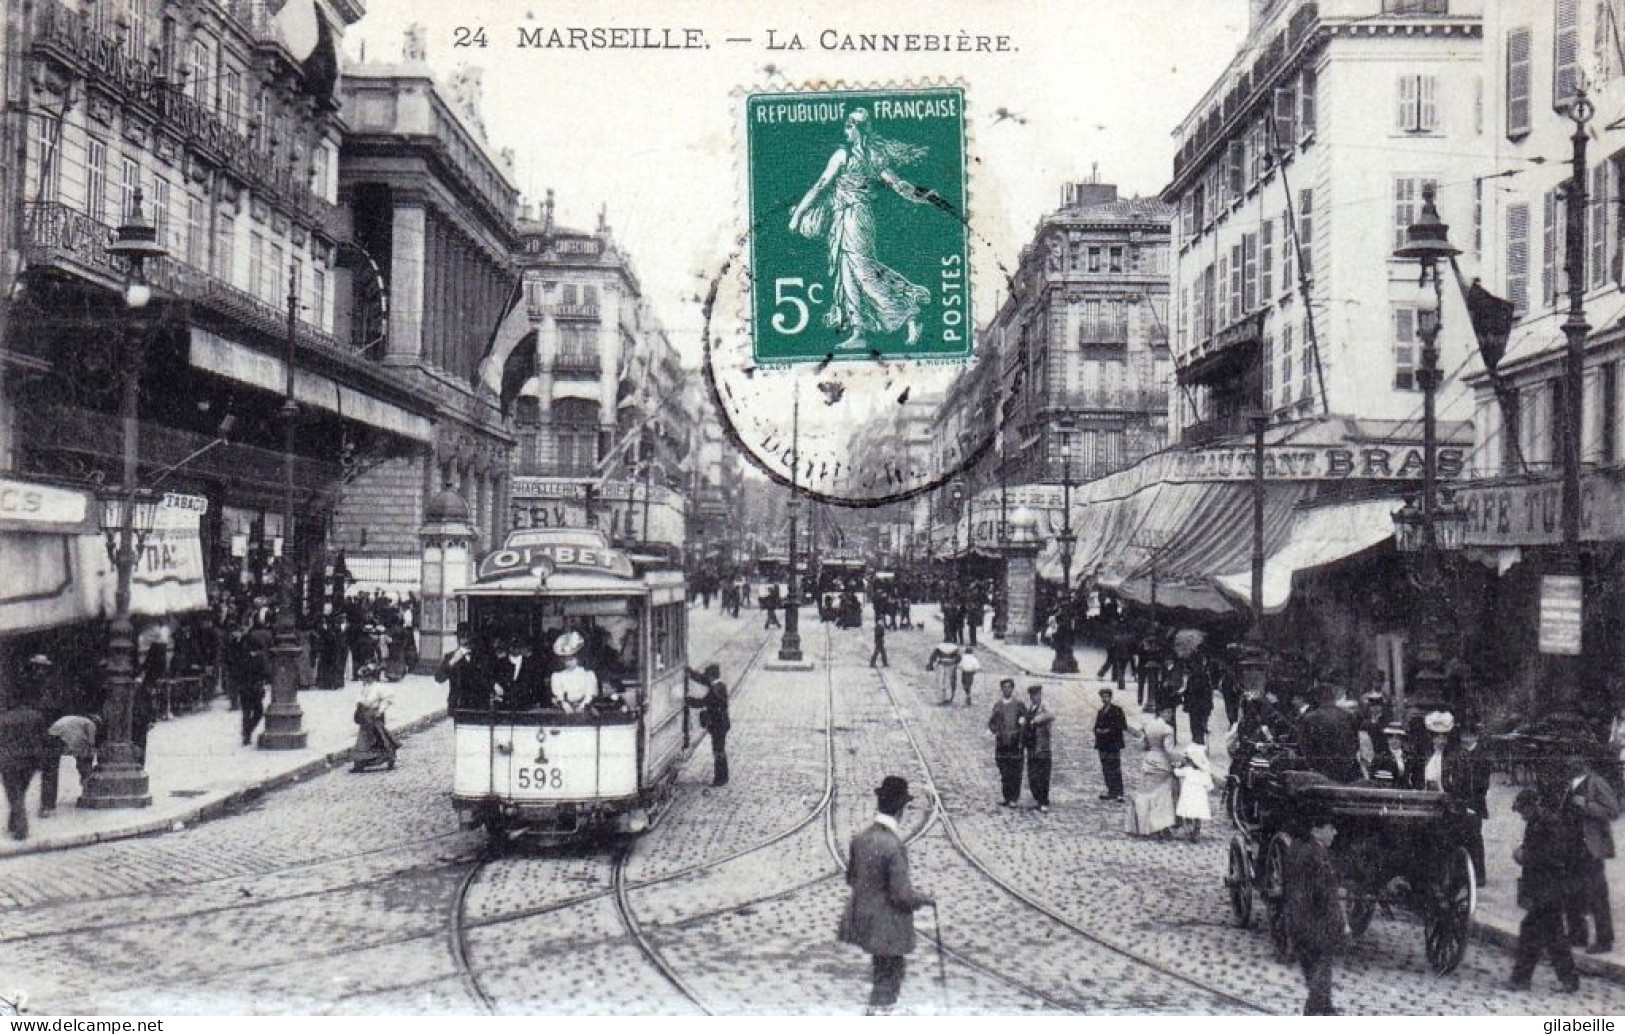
470, 687
1008, 724
1312, 910
879, 916
1591, 805
713, 706
1329, 738
1548, 856
1110, 724
523, 678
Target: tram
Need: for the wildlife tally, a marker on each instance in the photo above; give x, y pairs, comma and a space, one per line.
555, 770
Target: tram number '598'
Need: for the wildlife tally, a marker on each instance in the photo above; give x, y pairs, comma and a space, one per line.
540, 777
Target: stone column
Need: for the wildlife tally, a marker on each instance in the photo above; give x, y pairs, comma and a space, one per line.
406, 286
448, 565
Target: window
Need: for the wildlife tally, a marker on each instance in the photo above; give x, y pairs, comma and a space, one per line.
1249, 272
130, 179
225, 253
1306, 232
1554, 277
1511, 429
1598, 205
1288, 255
273, 277
1286, 365
1518, 256
1518, 81
47, 144
1408, 204
256, 264
1266, 261
194, 232
96, 179
1306, 103
160, 211
231, 98
1417, 110
1405, 348
1565, 51
1286, 111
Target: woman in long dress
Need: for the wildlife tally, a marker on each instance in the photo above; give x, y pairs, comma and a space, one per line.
374, 744
866, 295
1151, 808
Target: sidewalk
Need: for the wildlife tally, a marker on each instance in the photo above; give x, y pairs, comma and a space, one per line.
197, 766
1497, 916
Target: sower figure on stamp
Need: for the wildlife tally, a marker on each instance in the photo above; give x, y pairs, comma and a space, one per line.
879, 916
713, 705
1008, 724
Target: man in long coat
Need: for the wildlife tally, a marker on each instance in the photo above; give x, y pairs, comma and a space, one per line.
879, 916
1312, 911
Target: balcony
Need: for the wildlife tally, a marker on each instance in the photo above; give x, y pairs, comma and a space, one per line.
56, 234
66, 37
578, 366
575, 312
1126, 400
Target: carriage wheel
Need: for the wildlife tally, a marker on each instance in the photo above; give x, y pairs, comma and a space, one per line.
1274, 891
1239, 878
1454, 900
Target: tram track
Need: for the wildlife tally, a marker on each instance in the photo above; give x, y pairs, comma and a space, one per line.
1033, 903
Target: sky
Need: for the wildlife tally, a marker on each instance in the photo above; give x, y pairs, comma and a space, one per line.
649, 135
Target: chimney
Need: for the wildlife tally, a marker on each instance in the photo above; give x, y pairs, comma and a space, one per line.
1081, 195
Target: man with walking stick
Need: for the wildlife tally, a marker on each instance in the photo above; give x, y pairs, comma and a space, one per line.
879, 916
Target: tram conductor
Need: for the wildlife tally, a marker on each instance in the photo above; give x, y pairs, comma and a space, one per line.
470, 687
713, 706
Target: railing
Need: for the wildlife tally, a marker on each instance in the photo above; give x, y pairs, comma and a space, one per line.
575, 312
55, 232
575, 364
1125, 399
107, 62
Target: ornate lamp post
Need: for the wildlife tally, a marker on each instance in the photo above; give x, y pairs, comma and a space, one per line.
127, 517
283, 718
1418, 531
1065, 662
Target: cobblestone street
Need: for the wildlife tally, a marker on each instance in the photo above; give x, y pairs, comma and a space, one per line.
358, 893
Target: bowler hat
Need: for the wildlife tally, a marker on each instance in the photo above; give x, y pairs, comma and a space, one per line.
892, 792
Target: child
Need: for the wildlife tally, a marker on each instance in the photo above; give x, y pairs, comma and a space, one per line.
1195, 780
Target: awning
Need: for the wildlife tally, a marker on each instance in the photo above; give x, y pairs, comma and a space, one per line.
54, 580
1319, 536
215, 354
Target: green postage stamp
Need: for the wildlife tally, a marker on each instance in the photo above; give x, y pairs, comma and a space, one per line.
859, 231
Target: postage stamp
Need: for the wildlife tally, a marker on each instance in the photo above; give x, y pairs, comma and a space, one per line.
860, 239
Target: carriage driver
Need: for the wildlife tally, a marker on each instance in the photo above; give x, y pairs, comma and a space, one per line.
574, 687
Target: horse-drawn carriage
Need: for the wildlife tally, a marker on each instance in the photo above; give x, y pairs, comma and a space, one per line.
1394, 847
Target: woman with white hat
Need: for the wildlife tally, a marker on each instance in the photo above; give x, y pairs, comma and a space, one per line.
574, 687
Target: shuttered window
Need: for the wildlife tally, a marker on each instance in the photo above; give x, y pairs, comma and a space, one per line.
1266, 260
1565, 51
1518, 256
1518, 82
1417, 108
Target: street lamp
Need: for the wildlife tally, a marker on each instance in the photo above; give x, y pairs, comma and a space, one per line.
283, 718
127, 517
1427, 241
1065, 662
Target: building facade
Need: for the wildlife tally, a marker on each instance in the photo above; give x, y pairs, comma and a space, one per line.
1323, 130
434, 215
